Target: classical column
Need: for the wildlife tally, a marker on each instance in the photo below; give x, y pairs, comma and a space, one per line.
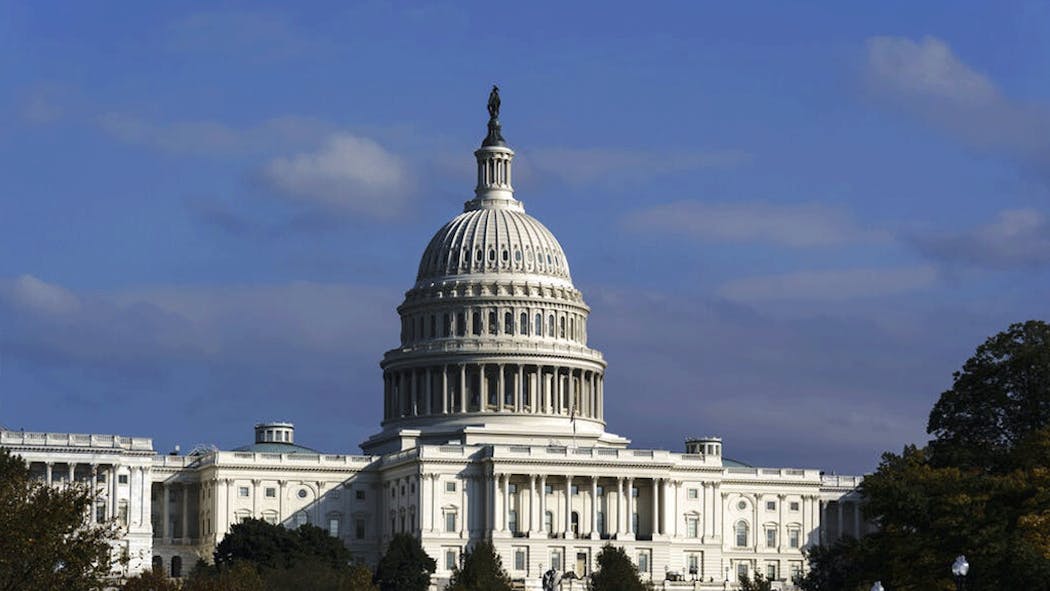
186, 513
754, 506
630, 508
464, 483
72, 472
543, 506
144, 502
595, 534
821, 521
165, 512
414, 410
717, 505
533, 505
428, 405
501, 398
676, 512
619, 507
433, 502
519, 389
280, 500
462, 387
483, 388
781, 530
49, 466
444, 390
94, 493
656, 507
505, 505
568, 506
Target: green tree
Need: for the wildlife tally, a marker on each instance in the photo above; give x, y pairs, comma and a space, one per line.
482, 570
150, 580
756, 583
240, 576
831, 568
999, 397
270, 546
616, 572
405, 566
46, 542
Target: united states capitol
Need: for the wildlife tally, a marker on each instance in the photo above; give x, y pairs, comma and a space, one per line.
492, 429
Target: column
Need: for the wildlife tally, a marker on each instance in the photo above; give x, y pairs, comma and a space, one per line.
781, 530
675, 513
568, 507
229, 501
823, 537
595, 534
430, 392
144, 503
717, 505
505, 505
165, 512
465, 482
434, 501
280, 501
630, 508
462, 387
50, 467
444, 390
705, 518
186, 513
501, 397
415, 405
838, 506
543, 505
656, 507
483, 388
94, 493
618, 526
754, 505
533, 505
72, 471
519, 390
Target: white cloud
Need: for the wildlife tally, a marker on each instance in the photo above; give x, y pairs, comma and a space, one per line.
36, 295
349, 173
929, 80
1015, 238
794, 225
830, 285
590, 165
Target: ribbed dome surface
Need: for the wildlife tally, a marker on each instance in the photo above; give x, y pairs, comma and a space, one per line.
493, 240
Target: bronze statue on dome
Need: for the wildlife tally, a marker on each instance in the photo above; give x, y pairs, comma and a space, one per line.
494, 102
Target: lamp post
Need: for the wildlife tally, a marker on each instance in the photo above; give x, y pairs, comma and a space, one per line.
877, 586
959, 569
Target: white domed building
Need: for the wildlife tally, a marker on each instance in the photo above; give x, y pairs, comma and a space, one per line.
492, 429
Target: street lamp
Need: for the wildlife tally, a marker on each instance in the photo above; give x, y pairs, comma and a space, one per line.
877, 586
959, 568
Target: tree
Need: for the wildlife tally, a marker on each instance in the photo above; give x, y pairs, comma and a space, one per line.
482, 570
616, 572
150, 580
758, 583
999, 397
270, 546
405, 566
831, 568
241, 576
47, 543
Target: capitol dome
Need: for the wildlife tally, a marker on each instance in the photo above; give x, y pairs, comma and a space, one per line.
493, 332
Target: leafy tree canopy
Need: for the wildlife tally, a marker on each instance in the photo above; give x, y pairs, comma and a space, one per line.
405, 566
272, 546
616, 572
46, 542
756, 583
482, 570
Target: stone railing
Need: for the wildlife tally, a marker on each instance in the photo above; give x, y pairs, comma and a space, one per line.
835, 480
117, 442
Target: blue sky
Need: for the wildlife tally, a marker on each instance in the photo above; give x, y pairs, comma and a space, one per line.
792, 221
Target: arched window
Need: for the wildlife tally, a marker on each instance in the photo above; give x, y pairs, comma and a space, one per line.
493, 322
477, 323
561, 327
741, 534
158, 565
508, 323
524, 322
447, 322
433, 325
461, 325
539, 324
176, 567
550, 326
572, 327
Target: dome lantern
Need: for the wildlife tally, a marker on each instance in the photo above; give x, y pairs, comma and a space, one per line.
494, 177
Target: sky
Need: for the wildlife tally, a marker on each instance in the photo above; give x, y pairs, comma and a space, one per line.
792, 221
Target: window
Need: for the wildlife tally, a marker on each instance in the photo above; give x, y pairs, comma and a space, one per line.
523, 329
741, 570
601, 523
450, 559
512, 488
793, 537
548, 489
575, 524
519, 559
771, 570
359, 529
600, 491
393, 491
433, 326
793, 506
561, 327
477, 324
270, 517
100, 512
741, 505
634, 491
447, 325
461, 325
508, 323
643, 561
796, 569
693, 493
692, 562
771, 505
242, 491
450, 522
548, 523
741, 534
512, 521
539, 325
271, 492
556, 559
450, 486
575, 489
333, 527
493, 322
122, 479
359, 495
550, 326
771, 537
691, 527
303, 492
634, 522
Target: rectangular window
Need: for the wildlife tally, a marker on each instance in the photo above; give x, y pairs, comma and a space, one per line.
771, 571
796, 569
771, 505
793, 506
450, 559
450, 522
741, 570
793, 538
450, 487
359, 529
122, 479
556, 559
242, 491
512, 521
271, 492
333, 527
691, 527
643, 561
548, 489
694, 494
519, 559
512, 489
693, 564
360, 495
575, 489
634, 522
771, 538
